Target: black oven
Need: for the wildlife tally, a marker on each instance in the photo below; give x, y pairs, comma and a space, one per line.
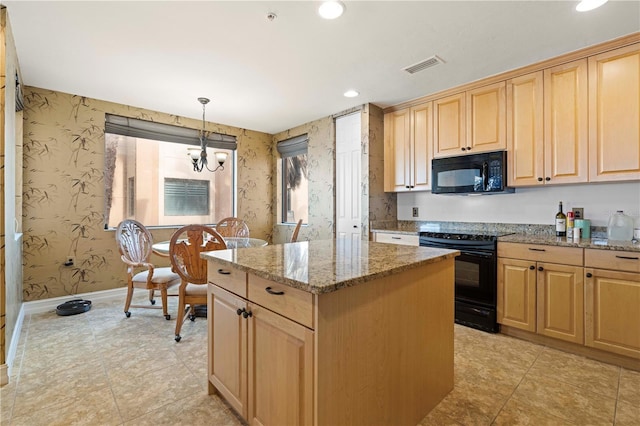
475, 276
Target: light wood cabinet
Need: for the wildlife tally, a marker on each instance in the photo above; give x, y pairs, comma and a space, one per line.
408, 145
525, 130
614, 111
402, 239
612, 317
470, 122
540, 296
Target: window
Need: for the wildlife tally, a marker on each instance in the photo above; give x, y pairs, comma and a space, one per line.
295, 186
186, 197
149, 176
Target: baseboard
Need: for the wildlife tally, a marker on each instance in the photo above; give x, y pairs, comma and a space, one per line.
46, 305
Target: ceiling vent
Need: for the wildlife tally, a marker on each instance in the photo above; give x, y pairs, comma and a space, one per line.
427, 63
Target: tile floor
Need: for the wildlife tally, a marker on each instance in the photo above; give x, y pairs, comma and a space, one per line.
100, 368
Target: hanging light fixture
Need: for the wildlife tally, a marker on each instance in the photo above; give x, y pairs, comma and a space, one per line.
199, 155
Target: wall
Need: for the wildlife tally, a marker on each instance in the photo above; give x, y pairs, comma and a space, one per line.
10, 166
64, 191
526, 205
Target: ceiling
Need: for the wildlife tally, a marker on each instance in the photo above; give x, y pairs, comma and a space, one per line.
274, 75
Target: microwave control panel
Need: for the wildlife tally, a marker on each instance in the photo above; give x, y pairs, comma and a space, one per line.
494, 178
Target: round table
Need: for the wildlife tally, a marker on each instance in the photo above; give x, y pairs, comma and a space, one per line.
162, 248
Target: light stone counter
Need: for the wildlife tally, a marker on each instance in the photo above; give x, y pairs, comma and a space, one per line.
327, 265
591, 243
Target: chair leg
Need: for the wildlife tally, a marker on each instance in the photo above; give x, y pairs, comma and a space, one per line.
180, 319
163, 293
127, 303
151, 297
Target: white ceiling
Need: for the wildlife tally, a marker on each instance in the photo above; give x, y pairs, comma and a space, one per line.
273, 75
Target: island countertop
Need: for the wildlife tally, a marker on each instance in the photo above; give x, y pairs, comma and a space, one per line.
323, 266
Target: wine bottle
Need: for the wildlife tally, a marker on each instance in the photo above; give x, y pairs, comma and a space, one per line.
561, 222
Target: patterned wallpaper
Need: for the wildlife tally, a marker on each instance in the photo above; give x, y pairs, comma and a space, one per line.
64, 191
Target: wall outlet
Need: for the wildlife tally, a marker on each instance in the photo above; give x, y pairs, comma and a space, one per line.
70, 261
578, 212
415, 212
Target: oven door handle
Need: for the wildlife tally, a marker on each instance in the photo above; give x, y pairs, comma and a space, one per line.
474, 253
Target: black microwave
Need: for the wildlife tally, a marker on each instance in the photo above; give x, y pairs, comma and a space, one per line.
484, 173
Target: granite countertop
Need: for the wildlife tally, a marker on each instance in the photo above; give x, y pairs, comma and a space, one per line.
327, 265
592, 243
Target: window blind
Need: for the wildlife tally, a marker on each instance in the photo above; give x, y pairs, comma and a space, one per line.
294, 146
136, 128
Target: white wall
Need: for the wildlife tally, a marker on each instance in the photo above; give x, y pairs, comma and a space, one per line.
526, 205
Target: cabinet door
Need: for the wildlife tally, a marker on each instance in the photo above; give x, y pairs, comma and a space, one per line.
449, 126
486, 118
565, 123
517, 293
280, 370
561, 302
525, 130
397, 156
612, 315
227, 347
421, 146
614, 115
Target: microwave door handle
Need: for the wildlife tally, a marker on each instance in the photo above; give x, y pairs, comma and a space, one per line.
485, 175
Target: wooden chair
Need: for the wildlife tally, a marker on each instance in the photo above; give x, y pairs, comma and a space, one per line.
296, 230
134, 242
186, 261
233, 227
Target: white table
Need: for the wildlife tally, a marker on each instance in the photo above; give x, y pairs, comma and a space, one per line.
162, 248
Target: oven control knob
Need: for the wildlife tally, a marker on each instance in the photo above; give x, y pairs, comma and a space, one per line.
532, 267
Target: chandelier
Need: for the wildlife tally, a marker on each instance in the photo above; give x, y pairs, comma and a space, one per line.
199, 155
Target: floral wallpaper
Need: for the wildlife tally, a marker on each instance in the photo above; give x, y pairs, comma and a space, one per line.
64, 191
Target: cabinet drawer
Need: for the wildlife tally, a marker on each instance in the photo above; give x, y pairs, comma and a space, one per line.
408, 240
227, 277
609, 259
542, 253
287, 301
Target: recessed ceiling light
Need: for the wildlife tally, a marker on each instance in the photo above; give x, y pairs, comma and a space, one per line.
351, 93
586, 5
331, 9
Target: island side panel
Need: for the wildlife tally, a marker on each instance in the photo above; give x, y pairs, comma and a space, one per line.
384, 352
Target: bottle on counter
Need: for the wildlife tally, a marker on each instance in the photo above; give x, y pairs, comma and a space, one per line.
570, 224
561, 222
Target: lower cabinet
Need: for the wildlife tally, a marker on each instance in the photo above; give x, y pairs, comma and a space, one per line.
613, 302
540, 296
259, 361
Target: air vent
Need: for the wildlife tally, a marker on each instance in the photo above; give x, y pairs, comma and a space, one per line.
427, 63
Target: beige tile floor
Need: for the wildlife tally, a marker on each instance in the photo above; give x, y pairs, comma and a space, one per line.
100, 368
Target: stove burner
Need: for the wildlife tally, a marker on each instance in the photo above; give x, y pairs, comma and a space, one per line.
472, 236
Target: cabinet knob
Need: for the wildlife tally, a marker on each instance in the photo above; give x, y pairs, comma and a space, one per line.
240, 311
589, 274
407, 186
532, 267
246, 314
540, 268
547, 178
468, 148
539, 179
463, 148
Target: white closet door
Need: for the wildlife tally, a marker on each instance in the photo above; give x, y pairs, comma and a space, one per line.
348, 177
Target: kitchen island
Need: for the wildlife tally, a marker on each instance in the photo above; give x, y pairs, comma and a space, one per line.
331, 332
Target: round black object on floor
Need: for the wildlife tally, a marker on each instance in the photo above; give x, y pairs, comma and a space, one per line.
73, 307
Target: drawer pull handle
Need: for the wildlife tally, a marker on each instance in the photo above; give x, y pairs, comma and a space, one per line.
627, 257
277, 293
223, 272
396, 238
246, 314
536, 249
589, 274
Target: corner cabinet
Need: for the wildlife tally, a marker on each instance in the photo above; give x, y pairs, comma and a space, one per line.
541, 289
612, 320
408, 146
470, 122
614, 108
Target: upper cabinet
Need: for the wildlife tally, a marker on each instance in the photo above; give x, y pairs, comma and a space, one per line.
408, 145
470, 122
614, 108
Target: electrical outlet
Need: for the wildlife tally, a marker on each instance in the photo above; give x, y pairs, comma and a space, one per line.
70, 261
578, 212
415, 212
